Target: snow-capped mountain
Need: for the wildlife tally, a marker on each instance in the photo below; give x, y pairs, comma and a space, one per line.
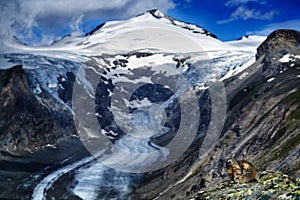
160, 38
132, 34
249, 42
141, 81
148, 25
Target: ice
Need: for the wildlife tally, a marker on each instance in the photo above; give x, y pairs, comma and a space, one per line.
48, 181
237, 70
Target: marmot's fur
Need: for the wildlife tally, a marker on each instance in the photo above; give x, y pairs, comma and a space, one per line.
241, 171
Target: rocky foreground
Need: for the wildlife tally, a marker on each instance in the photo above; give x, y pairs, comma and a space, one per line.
271, 185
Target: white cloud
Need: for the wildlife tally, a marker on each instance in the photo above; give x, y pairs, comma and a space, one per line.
241, 2
244, 13
75, 26
291, 24
18, 17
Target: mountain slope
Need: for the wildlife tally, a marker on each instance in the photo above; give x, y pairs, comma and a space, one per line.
27, 122
136, 86
275, 128
263, 113
262, 124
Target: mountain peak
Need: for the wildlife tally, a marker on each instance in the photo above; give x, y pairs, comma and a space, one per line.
152, 18
279, 43
286, 34
156, 13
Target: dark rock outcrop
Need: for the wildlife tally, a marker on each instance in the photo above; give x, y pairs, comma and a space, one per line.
66, 90
27, 122
278, 44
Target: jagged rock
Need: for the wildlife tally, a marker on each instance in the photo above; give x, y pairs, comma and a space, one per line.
27, 123
278, 44
66, 87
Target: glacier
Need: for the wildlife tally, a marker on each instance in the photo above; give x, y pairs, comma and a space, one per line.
135, 73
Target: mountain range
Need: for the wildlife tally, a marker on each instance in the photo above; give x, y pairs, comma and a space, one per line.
160, 103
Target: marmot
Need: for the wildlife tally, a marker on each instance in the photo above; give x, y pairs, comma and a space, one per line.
241, 171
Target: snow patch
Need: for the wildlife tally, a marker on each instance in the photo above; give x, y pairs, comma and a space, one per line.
50, 146
271, 79
289, 57
150, 61
243, 75
52, 85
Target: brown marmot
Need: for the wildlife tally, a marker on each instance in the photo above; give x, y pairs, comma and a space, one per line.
241, 171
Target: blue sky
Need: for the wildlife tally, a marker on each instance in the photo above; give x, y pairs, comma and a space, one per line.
230, 19
37, 22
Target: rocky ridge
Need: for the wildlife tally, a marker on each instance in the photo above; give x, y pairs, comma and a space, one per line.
28, 121
278, 44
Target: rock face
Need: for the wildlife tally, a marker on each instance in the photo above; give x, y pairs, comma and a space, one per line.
262, 126
265, 108
277, 44
27, 122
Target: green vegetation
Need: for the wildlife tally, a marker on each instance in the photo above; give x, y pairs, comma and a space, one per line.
291, 124
271, 185
295, 96
288, 146
296, 114
244, 96
284, 149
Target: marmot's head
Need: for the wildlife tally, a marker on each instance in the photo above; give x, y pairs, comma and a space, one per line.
229, 162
